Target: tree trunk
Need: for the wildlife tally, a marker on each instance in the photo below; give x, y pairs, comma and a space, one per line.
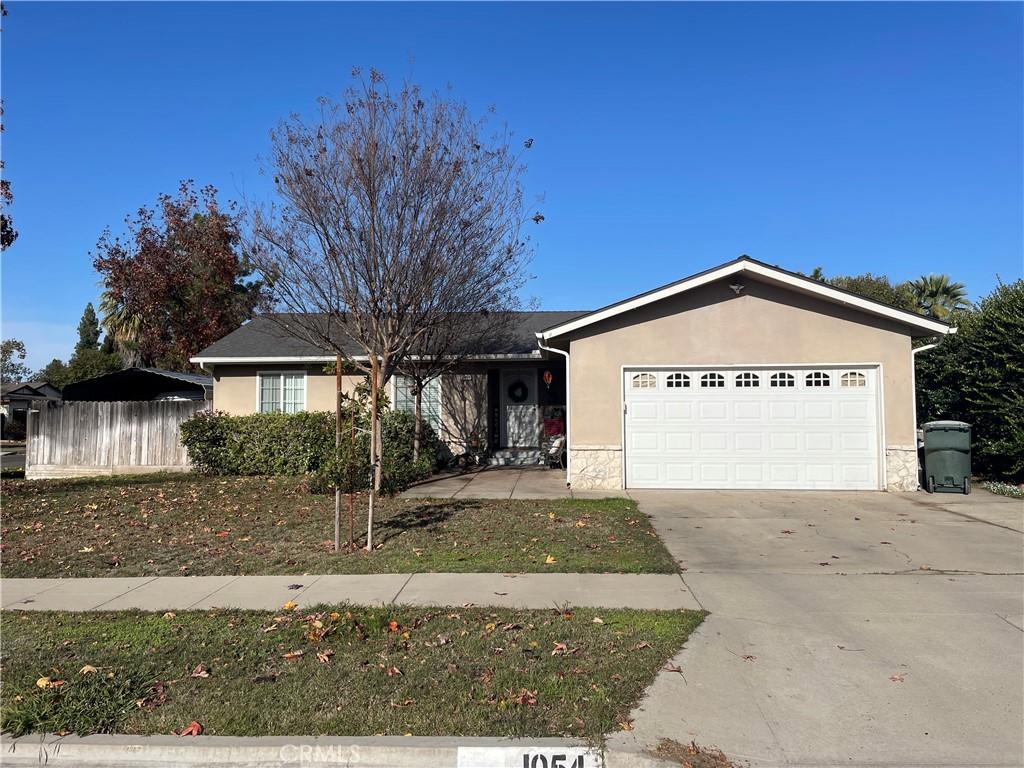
337, 451
417, 432
374, 448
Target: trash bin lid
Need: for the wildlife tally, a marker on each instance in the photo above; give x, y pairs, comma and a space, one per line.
946, 425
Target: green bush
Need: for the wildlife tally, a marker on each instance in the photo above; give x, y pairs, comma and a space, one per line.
303, 444
976, 376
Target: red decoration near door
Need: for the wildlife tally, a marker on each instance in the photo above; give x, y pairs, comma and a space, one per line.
548, 378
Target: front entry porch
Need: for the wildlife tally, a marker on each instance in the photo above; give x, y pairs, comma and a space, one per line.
526, 410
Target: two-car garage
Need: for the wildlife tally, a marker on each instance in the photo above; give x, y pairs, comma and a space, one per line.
785, 427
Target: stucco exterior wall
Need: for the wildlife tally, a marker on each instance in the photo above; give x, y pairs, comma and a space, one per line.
234, 388
711, 325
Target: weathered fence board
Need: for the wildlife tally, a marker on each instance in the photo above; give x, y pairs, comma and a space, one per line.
78, 438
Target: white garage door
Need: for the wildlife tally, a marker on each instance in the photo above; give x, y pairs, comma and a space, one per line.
758, 427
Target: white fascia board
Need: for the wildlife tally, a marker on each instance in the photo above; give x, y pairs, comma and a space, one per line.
246, 360
535, 355
806, 285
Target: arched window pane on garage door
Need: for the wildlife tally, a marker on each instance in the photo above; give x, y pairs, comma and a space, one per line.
712, 380
644, 381
748, 380
677, 380
853, 379
817, 379
783, 380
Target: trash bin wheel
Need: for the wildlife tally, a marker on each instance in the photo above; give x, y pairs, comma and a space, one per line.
967, 485
931, 485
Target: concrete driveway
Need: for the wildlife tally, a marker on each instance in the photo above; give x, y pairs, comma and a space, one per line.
846, 628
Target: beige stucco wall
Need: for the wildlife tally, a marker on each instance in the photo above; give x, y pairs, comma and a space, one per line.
234, 388
463, 396
712, 326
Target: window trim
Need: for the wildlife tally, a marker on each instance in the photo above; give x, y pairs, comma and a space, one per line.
305, 388
393, 392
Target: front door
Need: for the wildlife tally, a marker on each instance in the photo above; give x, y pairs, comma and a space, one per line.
519, 425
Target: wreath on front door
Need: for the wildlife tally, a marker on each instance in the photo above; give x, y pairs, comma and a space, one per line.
518, 391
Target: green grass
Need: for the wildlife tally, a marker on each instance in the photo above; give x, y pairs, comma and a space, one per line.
193, 525
393, 671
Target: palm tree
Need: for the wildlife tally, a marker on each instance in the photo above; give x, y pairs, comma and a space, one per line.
937, 296
123, 326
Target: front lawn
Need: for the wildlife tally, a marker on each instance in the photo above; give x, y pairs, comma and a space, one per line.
342, 671
194, 525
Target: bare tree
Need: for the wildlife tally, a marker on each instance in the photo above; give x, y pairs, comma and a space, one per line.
444, 346
394, 211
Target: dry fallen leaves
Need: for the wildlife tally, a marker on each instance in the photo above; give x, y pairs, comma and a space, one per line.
201, 670
550, 559
293, 655
195, 728
88, 669
324, 656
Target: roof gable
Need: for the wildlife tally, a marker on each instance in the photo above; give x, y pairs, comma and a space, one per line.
767, 273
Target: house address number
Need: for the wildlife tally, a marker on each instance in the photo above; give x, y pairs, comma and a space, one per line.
529, 757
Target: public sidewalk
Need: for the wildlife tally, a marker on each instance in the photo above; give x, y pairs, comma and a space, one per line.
524, 590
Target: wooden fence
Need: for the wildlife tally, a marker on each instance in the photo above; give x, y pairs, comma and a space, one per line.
78, 439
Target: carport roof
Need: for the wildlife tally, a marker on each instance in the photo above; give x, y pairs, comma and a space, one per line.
925, 326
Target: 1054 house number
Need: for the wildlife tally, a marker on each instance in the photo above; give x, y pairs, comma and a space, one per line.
555, 760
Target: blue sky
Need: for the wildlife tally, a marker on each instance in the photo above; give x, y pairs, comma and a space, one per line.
668, 138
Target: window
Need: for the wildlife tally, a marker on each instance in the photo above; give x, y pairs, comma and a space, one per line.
282, 392
853, 379
783, 380
644, 381
748, 380
712, 380
677, 380
430, 400
817, 379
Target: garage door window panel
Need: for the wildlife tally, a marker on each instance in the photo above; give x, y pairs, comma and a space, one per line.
712, 381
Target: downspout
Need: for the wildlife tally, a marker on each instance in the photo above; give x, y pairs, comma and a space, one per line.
568, 408
913, 382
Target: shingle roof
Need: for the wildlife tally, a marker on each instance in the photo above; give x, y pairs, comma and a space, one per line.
264, 337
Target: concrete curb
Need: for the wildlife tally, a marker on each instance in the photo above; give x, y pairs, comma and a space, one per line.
103, 751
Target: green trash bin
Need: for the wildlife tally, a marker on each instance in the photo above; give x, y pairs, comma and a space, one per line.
947, 457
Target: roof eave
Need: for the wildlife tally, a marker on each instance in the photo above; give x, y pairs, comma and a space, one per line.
755, 268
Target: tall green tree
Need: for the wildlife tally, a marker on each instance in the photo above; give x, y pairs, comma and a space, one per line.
88, 330
877, 287
976, 376
938, 296
12, 361
177, 281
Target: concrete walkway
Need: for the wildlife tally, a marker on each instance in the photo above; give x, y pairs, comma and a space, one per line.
503, 483
853, 629
524, 590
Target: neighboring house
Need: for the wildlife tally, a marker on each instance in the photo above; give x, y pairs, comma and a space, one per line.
742, 376
133, 384
18, 398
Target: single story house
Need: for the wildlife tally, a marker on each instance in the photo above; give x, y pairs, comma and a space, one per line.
134, 384
18, 398
744, 376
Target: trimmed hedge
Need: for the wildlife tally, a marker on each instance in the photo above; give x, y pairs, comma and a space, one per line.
303, 444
